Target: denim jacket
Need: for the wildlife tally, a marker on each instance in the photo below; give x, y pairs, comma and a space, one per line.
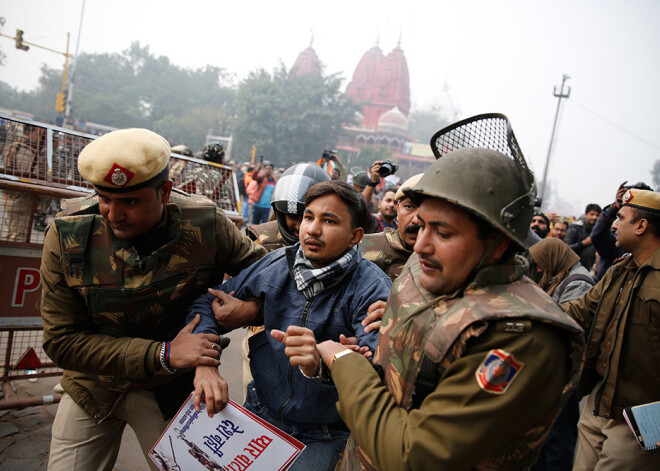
339, 309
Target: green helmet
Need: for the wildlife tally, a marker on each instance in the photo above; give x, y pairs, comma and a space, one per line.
481, 169
361, 179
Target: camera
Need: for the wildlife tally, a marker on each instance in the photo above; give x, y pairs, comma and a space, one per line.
330, 154
387, 168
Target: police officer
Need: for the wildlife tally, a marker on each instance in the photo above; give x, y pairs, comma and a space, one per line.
477, 360
391, 248
622, 315
119, 269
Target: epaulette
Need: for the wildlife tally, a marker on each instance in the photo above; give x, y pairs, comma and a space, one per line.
623, 257
79, 206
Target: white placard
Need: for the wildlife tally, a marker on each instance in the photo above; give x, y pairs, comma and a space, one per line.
232, 440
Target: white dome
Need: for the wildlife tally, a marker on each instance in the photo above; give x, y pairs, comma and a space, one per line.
393, 120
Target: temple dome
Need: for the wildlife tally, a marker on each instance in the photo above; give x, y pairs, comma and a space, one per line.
393, 121
307, 63
379, 83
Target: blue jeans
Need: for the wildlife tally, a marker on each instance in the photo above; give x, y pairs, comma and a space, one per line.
260, 215
246, 204
323, 445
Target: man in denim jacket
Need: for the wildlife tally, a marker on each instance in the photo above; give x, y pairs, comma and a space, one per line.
319, 289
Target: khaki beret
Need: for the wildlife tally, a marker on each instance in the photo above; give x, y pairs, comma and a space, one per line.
412, 181
182, 150
124, 160
642, 199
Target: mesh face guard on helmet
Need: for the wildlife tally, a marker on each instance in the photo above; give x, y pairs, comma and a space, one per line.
289, 192
213, 152
481, 168
489, 131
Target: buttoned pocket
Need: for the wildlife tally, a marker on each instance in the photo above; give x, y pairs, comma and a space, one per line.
647, 308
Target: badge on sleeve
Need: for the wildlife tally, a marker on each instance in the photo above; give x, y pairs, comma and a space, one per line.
497, 371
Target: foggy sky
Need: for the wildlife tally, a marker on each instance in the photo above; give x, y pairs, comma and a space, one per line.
495, 56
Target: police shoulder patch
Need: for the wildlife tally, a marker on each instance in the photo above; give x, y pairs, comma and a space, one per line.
497, 371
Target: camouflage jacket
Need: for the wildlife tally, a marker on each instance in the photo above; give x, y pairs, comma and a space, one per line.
467, 421
386, 250
267, 235
106, 309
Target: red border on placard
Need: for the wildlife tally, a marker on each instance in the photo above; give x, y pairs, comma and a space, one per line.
300, 446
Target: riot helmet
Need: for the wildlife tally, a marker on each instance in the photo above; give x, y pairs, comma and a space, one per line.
481, 169
361, 179
214, 152
289, 192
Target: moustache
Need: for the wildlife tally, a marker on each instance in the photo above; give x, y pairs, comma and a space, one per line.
412, 229
432, 262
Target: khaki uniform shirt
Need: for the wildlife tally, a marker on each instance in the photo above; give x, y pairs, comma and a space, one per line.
622, 317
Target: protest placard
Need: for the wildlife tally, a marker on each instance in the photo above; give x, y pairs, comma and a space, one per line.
232, 440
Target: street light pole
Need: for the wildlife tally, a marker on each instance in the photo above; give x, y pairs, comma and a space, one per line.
553, 137
67, 112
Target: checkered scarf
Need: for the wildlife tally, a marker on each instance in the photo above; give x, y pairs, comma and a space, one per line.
311, 280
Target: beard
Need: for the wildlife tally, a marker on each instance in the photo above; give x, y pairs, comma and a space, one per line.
540, 232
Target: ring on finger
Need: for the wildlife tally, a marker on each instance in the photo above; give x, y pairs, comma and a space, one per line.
213, 346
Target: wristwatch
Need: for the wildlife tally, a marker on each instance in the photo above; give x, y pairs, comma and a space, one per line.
372, 184
337, 356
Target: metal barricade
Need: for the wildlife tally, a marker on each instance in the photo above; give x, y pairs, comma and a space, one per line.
23, 355
40, 154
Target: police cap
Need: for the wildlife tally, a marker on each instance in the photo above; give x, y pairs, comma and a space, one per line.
125, 160
642, 199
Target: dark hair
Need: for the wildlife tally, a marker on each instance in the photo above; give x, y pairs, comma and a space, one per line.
162, 177
355, 202
387, 189
592, 207
651, 217
484, 228
640, 186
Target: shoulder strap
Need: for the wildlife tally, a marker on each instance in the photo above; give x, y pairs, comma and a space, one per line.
74, 235
426, 381
577, 277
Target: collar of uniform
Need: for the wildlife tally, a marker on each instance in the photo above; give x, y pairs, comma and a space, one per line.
394, 239
653, 260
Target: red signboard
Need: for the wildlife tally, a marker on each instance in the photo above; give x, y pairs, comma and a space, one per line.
20, 289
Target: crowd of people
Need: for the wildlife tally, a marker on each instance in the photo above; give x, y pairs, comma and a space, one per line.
448, 326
